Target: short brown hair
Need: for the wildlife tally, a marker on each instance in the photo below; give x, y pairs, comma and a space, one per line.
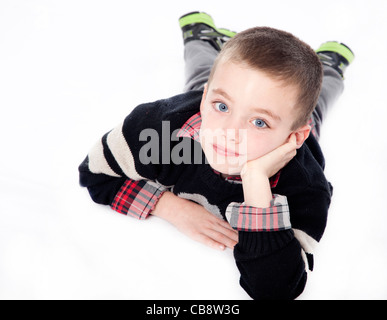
282, 56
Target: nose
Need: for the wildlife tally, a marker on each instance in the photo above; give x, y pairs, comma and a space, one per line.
234, 131
232, 135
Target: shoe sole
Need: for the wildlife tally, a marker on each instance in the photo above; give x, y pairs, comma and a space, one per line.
339, 48
202, 17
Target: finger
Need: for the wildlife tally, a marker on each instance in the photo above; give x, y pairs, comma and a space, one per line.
290, 148
210, 242
292, 142
222, 223
227, 230
293, 138
230, 233
282, 150
226, 225
222, 238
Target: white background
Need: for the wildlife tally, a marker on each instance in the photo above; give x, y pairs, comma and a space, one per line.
71, 70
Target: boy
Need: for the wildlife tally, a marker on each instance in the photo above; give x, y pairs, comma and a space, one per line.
231, 162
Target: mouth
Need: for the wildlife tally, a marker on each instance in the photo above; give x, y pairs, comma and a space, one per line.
222, 151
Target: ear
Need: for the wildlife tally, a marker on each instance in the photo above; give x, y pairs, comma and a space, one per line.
205, 91
302, 134
204, 96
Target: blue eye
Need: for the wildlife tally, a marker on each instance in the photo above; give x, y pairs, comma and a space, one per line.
259, 123
221, 107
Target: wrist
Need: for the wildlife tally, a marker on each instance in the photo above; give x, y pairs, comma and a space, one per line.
250, 169
162, 208
256, 190
169, 205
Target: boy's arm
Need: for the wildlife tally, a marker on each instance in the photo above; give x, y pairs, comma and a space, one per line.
135, 198
270, 261
140, 198
109, 173
262, 211
113, 171
273, 264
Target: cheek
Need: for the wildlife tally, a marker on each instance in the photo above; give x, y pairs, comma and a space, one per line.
257, 149
209, 129
206, 134
209, 119
260, 145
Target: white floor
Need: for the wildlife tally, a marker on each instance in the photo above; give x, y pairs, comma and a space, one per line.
71, 70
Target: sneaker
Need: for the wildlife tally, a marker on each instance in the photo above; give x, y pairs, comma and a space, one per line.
336, 55
200, 26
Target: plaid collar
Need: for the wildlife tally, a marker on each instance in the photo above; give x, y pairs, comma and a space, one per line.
191, 129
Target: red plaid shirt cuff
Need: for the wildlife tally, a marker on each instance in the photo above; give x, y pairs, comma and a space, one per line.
246, 218
137, 198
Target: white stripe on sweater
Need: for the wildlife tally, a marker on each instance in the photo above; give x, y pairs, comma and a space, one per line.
306, 241
97, 161
122, 153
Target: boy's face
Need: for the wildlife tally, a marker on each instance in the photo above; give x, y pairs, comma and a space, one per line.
245, 115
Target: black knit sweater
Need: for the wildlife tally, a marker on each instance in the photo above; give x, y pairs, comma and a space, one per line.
273, 265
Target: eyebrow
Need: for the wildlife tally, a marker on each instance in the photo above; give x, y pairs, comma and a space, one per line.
222, 93
258, 110
268, 112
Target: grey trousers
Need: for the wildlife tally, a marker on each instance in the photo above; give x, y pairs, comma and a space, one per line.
200, 56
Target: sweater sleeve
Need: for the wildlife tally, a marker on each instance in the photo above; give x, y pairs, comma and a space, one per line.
114, 173
122, 188
273, 264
